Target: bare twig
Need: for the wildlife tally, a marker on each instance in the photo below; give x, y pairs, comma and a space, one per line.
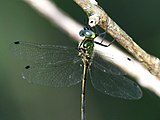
97, 16
72, 28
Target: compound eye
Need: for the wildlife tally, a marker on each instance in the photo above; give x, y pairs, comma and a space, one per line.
85, 33
82, 33
88, 33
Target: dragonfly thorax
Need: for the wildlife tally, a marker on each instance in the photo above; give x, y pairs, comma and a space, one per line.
86, 48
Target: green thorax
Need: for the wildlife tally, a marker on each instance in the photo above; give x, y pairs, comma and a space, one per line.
86, 48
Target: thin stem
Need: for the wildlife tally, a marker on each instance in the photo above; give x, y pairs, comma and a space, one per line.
97, 16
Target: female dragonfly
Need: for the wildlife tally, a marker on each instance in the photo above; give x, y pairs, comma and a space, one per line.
61, 66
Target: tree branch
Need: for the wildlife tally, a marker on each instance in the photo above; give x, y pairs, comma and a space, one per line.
97, 16
72, 28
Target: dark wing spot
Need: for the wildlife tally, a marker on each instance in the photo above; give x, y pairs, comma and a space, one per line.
27, 67
129, 59
17, 42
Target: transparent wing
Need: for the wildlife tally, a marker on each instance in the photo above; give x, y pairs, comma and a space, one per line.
51, 65
106, 78
60, 74
33, 52
108, 66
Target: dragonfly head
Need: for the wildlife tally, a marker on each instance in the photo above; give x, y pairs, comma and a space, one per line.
87, 33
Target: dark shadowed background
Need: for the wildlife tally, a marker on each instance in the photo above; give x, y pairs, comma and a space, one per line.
20, 100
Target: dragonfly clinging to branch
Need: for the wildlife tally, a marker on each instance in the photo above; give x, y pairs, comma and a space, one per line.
61, 66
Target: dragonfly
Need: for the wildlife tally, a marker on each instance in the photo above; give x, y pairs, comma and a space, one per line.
61, 66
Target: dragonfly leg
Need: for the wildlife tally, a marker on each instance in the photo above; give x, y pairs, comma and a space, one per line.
100, 43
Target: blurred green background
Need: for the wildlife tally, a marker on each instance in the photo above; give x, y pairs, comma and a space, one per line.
22, 101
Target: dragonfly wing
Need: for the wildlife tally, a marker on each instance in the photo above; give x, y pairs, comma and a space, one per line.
50, 65
114, 85
61, 74
108, 66
35, 52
